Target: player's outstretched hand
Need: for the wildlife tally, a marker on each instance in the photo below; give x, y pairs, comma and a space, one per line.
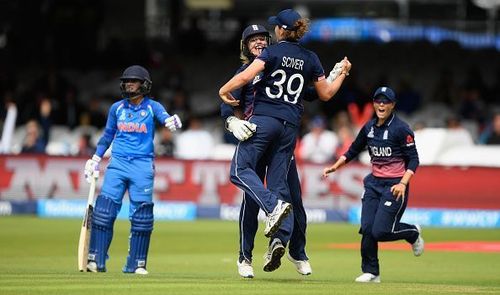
241, 129
346, 66
335, 72
90, 166
173, 123
329, 170
229, 99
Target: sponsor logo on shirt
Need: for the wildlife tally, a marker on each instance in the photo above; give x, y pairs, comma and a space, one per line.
370, 134
257, 79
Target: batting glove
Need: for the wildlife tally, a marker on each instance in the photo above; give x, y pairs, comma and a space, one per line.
241, 129
91, 166
173, 123
335, 72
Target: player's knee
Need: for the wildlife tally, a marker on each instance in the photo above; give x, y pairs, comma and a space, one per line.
234, 178
142, 219
105, 212
380, 234
365, 229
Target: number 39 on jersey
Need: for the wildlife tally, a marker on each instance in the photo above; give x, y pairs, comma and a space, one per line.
286, 88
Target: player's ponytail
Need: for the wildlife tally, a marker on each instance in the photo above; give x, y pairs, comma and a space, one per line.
301, 28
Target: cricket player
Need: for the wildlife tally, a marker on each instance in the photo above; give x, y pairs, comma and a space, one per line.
253, 40
394, 158
281, 74
130, 128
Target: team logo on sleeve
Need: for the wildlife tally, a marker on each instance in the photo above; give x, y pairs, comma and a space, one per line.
409, 140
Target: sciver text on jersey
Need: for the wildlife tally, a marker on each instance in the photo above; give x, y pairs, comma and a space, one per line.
291, 62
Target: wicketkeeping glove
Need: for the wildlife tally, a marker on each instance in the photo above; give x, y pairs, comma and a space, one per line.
91, 166
241, 129
173, 123
335, 72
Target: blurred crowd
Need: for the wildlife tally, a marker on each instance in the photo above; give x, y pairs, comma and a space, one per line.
58, 114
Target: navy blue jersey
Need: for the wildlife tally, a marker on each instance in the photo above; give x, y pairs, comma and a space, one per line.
246, 95
131, 128
288, 71
391, 147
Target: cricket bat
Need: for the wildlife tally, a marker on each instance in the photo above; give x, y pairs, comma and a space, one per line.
83, 244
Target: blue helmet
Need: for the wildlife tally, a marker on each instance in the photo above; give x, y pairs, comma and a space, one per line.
250, 31
138, 73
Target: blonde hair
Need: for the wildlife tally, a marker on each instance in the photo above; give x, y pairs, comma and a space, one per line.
244, 59
302, 26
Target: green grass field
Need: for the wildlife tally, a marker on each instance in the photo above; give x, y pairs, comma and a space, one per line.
38, 256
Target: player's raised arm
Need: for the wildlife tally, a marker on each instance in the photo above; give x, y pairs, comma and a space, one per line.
239, 80
327, 90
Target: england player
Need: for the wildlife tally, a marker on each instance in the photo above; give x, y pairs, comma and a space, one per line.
130, 127
254, 39
281, 74
394, 159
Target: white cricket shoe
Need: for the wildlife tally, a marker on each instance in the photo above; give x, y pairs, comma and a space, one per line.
367, 278
92, 266
245, 268
141, 271
418, 246
302, 266
272, 258
273, 220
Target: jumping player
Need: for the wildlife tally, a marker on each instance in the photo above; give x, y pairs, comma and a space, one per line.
282, 73
394, 159
130, 127
254, 39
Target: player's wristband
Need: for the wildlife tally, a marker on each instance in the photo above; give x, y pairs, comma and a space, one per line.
405, 184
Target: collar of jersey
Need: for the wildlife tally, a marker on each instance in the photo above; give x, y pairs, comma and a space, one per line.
387, 122
128, 105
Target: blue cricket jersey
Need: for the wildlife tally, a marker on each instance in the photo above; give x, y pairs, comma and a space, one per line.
391, 147
288, 71
131, 128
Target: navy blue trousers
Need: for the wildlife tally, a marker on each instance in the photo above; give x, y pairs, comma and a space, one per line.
272, 144
248, 223
380, 220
